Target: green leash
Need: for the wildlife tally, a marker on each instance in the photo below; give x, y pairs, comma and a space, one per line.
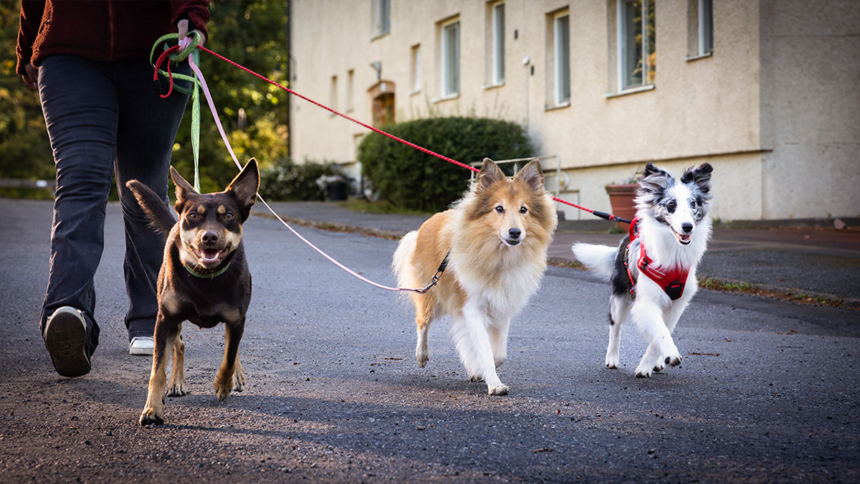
191, 49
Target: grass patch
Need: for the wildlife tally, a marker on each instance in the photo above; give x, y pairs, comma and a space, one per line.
570, 264
787, 295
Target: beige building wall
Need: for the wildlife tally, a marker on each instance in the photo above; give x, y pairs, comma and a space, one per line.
736, 109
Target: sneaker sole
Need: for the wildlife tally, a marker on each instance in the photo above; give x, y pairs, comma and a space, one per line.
66, 341
140, 351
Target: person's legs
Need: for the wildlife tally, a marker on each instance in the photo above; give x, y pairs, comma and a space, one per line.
80, 108
145, 138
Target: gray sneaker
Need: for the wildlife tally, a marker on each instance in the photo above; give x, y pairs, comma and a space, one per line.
141, 345
66, 341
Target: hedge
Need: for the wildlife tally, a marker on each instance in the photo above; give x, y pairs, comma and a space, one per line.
285, 180
414, 180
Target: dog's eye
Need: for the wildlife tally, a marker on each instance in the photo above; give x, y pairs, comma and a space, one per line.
524, 210
692, 204
500, 209
192, 215
671, 206
228, 215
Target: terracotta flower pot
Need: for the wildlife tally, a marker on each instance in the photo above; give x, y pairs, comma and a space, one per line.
622, 197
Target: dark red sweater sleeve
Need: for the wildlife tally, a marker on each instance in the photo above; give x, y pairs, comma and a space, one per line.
197, 12
28, 28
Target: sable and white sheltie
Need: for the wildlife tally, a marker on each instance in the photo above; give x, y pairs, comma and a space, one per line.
654, 277
497, 235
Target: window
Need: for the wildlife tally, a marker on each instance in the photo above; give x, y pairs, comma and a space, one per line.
561, 58
416, 68
637, 54
498, 44
451, 59
706, 26
333, 94
381, 12
350, 86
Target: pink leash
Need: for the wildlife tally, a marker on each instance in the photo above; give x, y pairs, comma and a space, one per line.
205, 89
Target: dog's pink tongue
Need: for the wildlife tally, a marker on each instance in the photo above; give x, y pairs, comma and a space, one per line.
210, 254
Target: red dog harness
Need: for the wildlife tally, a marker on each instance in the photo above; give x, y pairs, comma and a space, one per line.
672, 282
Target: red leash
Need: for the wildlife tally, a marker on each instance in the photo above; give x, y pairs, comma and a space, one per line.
604, 215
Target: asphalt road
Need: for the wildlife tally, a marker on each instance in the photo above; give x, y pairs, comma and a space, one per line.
768, 391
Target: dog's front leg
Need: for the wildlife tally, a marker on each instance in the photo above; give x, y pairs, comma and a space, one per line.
176, 386
648, 317
619, 308
499, 340
165, 332
224, 379
471, 335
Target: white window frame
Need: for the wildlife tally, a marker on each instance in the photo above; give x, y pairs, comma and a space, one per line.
380, 17
706, 26
561, 59
622, 47
416, 68
498, 43
449, 90
350, 87
333, 94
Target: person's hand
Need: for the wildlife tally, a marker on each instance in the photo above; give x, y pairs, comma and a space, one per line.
31, 76
182, 28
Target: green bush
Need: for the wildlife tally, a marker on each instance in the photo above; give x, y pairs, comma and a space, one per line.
411, 179
285, 180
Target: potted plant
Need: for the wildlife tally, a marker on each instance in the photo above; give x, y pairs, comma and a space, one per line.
622, 198
335, 187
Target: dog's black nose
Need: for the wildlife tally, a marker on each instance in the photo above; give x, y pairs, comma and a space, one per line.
210, 238
515, 233
687, 227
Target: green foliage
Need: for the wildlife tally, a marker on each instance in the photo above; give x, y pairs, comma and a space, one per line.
25, 151
414, 180
250, 32
285, 180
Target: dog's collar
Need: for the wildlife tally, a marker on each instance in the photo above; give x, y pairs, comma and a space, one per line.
206, 274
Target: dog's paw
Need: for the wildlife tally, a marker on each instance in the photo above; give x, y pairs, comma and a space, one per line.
612, 361
673, 360
151, 416
177, 390
500, 361
422, 358
658, 368
498, 390
475, 378
644, 372
239, 381
222, 390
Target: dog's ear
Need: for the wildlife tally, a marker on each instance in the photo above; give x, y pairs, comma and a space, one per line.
651, 169
700, 175
245, 186
490, 173
653, 183
183, 189
532, 174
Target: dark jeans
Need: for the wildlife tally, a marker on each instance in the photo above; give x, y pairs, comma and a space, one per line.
101, 118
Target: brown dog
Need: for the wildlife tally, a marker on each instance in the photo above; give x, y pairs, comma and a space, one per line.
204, 279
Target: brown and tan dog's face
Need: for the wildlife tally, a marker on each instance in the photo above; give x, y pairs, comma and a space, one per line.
513, 209
210, 225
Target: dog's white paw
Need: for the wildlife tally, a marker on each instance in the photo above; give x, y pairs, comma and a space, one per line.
644, 371
673, 359
612, 360
500, 361
498, 390
659, 368
475, 378
422, 358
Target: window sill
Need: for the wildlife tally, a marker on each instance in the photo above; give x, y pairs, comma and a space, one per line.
697, 57
417, 91
557, 107
379, 36
494, 86
446, 98
634, 90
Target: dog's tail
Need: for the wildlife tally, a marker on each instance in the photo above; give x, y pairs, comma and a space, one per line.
597, 258
156, 211
402, 257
